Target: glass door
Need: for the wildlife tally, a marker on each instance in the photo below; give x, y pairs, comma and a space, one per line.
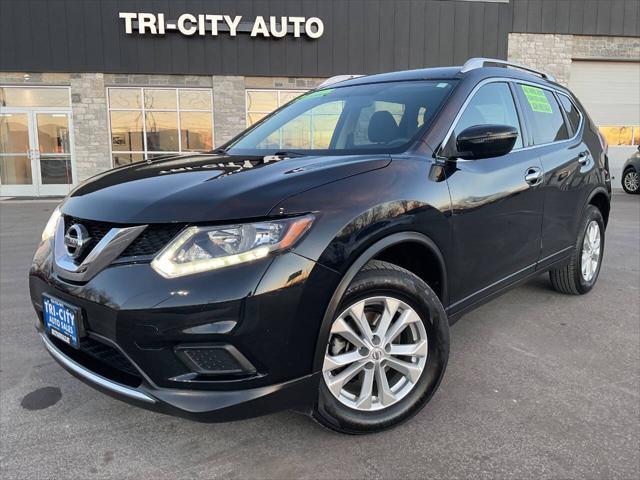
53, 152
17, 155
35, 153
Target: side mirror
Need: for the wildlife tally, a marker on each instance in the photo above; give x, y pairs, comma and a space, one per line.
483, 141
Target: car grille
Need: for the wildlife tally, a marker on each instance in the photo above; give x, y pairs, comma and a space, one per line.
108, 355
101, 359
152, 240
212, 359
148, 243
96, 231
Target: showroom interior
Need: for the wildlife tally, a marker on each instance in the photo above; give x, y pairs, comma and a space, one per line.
89, 86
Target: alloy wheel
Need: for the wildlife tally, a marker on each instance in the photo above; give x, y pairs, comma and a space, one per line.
632, 181
591, 251
376, 354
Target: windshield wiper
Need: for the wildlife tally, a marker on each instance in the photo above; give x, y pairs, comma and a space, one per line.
289, 154
219, 150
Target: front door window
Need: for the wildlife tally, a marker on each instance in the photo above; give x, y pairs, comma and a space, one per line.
492, 104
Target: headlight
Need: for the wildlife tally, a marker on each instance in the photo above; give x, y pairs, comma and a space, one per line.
50, 228
198, 249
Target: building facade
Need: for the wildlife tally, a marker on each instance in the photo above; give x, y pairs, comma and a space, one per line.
92, 85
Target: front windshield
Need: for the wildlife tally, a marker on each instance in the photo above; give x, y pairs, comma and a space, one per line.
374, 118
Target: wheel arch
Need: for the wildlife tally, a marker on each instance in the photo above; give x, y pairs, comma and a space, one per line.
601, 199
374, 251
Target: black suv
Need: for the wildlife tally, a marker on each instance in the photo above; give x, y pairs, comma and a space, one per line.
317, 260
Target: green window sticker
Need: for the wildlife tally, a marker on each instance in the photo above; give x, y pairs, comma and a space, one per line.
537, 99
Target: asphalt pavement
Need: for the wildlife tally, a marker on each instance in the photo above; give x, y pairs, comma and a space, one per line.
539, 385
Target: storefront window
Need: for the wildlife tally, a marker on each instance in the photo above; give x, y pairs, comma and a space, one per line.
155, 99
162, 131
260, 103
34, 97
195, 131
126, 131
621, 135
125, 98
194, 99
150, 122
120, 159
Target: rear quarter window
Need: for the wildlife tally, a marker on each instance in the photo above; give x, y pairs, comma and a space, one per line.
571, 111
545, 118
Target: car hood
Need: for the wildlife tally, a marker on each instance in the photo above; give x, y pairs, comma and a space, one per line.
207, 188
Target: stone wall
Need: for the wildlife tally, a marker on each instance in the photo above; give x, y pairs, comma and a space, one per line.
229, 117
549, 52
554, 53
285, 83
606, 48
134, 80
90, 124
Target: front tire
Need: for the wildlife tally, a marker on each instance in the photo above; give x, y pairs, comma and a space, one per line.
580, 273
386, 353
631, 181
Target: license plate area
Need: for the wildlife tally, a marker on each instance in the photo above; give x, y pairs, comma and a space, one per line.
62, 320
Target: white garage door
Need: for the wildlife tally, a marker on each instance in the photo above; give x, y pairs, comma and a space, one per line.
610, 91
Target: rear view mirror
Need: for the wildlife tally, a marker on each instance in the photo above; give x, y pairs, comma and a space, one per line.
483, 141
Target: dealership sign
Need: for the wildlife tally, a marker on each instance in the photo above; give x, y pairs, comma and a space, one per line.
214, 25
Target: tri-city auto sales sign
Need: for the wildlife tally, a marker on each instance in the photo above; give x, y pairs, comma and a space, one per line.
214, 25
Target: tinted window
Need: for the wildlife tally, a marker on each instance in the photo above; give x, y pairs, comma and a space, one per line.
572, 112
361, 133
379, 117
547, 122
491, 105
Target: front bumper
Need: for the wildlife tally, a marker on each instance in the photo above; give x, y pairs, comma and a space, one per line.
203, 406
269, 310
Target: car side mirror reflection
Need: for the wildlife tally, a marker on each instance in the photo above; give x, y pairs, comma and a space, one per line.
484, 141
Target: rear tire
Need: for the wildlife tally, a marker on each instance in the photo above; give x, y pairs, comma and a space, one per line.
387, 312
631, 181
580, 273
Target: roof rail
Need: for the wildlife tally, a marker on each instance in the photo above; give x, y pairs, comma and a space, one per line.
337, 79
474, 63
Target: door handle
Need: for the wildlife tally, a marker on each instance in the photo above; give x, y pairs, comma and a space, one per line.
533, 175
583, 157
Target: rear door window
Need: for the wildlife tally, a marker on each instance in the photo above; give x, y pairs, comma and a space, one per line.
545, 118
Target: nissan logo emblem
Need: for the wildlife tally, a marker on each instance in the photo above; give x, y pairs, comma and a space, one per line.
76, 240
